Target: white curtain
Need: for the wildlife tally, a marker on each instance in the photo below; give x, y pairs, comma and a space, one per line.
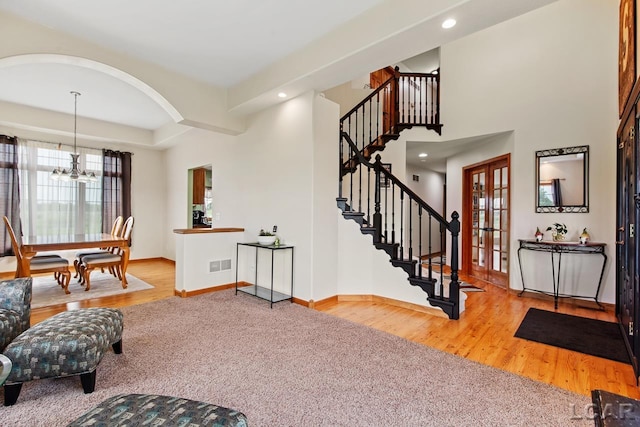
49, 207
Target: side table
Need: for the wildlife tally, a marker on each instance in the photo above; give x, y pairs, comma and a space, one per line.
261, 291
559, 248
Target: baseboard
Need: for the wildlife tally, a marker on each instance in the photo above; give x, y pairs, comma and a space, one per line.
383, 300
187, 294
578, 302
162, 259
4, 275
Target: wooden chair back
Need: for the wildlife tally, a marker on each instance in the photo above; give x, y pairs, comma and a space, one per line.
117, 225
14, 241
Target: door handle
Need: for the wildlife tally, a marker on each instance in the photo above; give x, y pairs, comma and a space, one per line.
620, 242
487, 229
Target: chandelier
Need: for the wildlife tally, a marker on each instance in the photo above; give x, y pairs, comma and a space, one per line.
74, 174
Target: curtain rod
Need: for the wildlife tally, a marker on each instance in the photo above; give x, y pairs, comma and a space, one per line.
60, 144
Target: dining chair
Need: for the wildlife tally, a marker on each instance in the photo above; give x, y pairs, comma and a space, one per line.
116, 229
55, 264
111, 260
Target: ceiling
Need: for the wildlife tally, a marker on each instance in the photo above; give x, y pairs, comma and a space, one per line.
236, 45
438, 152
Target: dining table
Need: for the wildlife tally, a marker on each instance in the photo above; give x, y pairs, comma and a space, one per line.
31, 245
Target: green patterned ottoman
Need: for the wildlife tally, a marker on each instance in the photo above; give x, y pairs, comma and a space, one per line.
69, 343
129, 410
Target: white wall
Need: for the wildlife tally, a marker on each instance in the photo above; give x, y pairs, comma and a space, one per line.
430, 188
280, 172
324, 190
551, 77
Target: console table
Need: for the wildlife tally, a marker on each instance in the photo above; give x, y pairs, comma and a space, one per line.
263, 292
559, 248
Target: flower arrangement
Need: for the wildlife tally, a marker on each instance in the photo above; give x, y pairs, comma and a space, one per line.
265, 233
558, 230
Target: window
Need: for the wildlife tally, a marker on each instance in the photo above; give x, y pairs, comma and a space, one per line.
545, 194
49, 207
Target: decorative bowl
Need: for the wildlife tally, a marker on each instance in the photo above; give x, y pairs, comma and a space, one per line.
266, 240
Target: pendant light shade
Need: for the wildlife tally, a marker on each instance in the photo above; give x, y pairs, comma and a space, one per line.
75, 173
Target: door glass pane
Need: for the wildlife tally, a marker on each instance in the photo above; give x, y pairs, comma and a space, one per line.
474, 255
504, 226
504, 242
496, 199
496, 240
505, 176
504, 199
481, 258
505, 262
481, 219
475, 238
496, 178
496, 260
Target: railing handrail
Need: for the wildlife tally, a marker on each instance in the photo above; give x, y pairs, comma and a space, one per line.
381, 87
357, 152
418, 75
377, 166
369, 97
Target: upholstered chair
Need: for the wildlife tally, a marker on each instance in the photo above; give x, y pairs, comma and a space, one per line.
15, 309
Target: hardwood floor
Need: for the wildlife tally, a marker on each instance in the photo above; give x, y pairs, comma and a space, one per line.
484, 332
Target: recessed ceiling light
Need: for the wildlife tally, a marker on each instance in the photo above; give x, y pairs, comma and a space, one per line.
282, 95
422, 155
449, 23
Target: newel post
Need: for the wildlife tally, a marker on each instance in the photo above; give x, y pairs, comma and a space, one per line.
396, 99
454, 286
377, 216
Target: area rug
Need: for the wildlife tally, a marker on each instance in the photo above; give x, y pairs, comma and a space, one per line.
588, 336
46, 290
293, 366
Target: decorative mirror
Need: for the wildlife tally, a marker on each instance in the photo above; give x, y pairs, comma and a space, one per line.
562, 179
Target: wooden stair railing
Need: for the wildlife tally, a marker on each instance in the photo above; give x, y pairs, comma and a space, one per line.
404, 100
397, 212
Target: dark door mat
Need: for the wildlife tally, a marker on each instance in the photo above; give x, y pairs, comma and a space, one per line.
588, 336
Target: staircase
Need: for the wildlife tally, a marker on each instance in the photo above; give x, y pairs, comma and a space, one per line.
381, 203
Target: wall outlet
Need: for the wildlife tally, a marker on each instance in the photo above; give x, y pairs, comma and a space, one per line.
217, 216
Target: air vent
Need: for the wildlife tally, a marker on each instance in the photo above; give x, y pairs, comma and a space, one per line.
220, 265
214, 266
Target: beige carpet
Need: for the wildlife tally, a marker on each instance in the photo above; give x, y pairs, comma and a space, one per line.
46, 290
293, 366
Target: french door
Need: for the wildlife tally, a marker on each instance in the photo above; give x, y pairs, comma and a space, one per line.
485, 239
